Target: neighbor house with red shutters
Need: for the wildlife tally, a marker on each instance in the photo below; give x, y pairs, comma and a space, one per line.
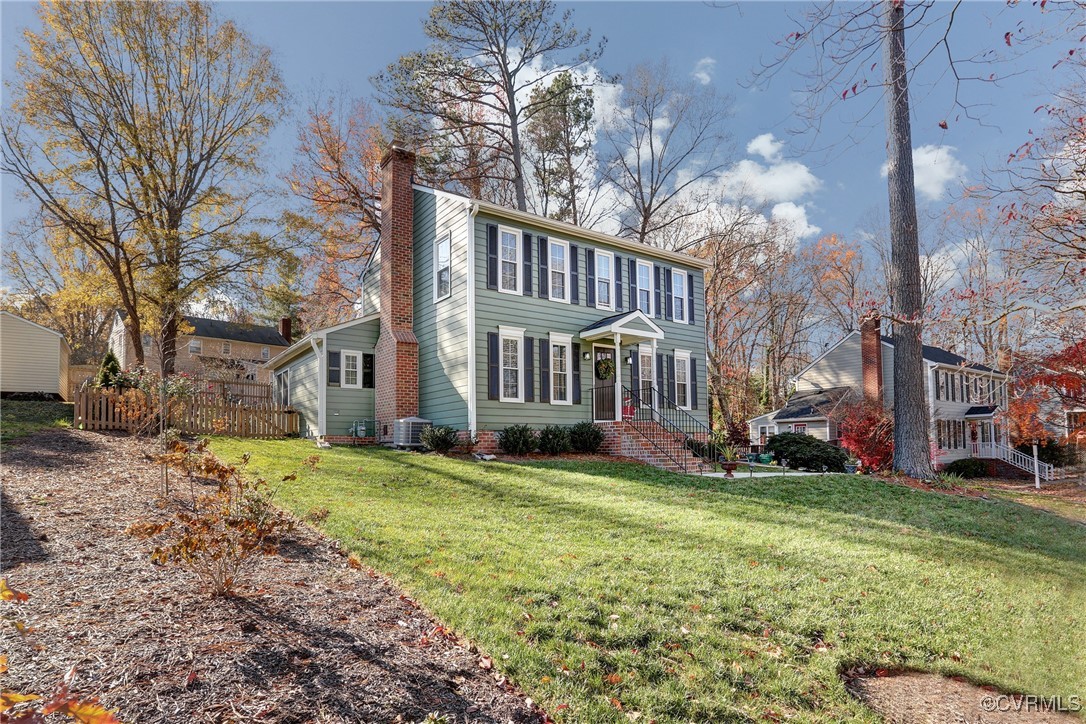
478, 317
966, 400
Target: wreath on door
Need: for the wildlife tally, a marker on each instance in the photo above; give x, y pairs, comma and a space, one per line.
605, 368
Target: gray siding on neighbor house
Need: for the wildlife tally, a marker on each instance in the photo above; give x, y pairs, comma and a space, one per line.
820, 429
344, 405
441, 326
539, 317
842, 367
304, 391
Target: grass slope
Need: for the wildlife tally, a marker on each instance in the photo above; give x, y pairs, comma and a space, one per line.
599, 585
20, 417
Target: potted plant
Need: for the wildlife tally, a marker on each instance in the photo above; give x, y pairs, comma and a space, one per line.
851, 465
729, 460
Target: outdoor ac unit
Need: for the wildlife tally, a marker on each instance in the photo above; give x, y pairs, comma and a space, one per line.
406, 430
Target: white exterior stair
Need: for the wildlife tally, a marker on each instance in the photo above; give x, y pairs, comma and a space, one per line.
1017, 458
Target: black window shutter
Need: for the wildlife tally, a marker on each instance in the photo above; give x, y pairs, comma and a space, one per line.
574, 275
527, 264
671, 377
690, 298
693, 380
544, 261
618, 283
493, 372
576, 373
544, 371
635, 373
367, 371
633, 284
491, 256
529, 368
660, 377
333, 368
657, 309
590, 276
669, 312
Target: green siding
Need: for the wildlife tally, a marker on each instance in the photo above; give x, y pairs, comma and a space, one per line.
540, 317
345, 405
371, 286
441, 327
303, 392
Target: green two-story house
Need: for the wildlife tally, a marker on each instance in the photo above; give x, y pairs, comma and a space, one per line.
478, 317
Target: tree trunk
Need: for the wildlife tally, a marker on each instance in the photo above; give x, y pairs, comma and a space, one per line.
169, 345
912, 451
514, 142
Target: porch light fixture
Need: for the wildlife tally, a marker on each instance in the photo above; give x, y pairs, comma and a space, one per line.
586, 356
628, 359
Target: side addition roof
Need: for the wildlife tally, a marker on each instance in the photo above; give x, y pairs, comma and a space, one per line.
236, 332
812, 404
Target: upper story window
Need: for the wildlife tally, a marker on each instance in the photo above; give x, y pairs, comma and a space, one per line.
512, 360
678, 294
605, 278
644, 287
226, 349
265, 353
443, 267
558, 263
196, 346
509, 276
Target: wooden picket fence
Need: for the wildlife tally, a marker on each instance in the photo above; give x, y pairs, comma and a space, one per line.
244, 391
134, 412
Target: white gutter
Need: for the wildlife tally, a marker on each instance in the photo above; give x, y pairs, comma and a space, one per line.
322, 375
473, 374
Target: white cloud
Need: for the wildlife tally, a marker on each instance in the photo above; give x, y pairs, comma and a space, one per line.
703, 70
776, 182
934, 169
766, 146
795, 216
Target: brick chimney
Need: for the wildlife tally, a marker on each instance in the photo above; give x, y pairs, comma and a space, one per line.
397, 353
284, 329
871, 357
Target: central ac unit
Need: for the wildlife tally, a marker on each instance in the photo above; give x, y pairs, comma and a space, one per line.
406, 431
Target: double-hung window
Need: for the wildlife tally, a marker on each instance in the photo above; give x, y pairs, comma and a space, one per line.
682, 380
558, 263
512, 359
561, 355
352, 369
800, 428
443, 267
644, 287
226, 349
509, 278
265, 353
678, 295
645, 367
196, 346
605, 278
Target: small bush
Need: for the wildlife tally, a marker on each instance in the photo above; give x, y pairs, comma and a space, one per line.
554, 440
866, 430
806, 451
440, 439
1051, 452
518, 440
947, 481
586, 437
967, 468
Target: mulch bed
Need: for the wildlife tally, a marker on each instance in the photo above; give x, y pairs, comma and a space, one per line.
307, 639
910, 697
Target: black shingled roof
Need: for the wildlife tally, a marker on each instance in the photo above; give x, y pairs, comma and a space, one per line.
980, 410
943, 357
235, 332
811, 403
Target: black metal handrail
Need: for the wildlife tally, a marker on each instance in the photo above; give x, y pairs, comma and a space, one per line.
684, 432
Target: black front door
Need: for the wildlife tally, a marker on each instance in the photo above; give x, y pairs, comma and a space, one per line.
603, 394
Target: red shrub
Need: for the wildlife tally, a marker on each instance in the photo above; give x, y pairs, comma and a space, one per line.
866, 430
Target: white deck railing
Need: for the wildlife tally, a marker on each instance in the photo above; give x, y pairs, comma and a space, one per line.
1017, 458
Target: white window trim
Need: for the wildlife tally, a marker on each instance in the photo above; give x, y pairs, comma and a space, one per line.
516, 333
642, 350
637, 284
265, 353
199, 346
446, 237
518, 248
343, 355
682, 354
610, 282
562, 340
227, 348
550, 271
797, 425
678, 302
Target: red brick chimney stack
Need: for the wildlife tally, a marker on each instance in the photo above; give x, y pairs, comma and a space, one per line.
397, 354
871, 356
284, 329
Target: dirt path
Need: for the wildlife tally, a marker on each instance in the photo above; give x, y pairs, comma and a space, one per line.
309, 638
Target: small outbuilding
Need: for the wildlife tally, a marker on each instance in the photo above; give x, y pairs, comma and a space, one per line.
33, 358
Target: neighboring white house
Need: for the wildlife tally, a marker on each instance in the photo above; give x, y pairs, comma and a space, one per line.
33, 358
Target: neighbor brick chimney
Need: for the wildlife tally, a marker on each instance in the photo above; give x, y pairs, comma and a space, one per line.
284, 329
397, 353
871, 357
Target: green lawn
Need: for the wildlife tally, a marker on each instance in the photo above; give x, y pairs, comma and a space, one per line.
684, 599
19, 418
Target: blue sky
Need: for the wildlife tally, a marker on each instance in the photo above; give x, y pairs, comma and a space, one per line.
337, 46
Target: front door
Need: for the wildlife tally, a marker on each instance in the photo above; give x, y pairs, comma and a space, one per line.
603, 388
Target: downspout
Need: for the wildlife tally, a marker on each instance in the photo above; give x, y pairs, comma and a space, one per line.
473, 373
322, 391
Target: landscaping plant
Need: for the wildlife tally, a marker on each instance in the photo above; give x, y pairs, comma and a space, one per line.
866, 430
967, 468
586, 437
554, 440
806, 451
518, 440
440, 439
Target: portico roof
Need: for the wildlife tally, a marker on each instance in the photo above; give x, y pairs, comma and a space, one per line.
980, 411
632, 327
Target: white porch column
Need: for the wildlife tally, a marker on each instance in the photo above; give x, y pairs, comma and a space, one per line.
655, 382
618, 377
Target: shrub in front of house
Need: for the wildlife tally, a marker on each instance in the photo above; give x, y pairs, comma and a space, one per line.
518, 440
1050, 451
440, 439
866, 430
967, 468
586, 437
554, 440
806, 451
